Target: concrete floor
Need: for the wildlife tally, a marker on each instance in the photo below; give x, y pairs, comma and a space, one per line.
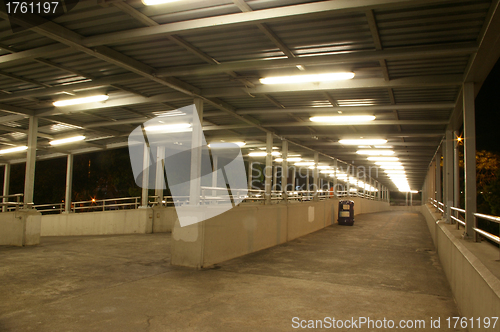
384, 266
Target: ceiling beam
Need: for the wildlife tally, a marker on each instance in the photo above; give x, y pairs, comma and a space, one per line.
253, 17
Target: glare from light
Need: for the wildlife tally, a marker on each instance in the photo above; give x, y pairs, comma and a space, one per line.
391, 167
67, 140
376, 152
343, 119
293, 159
169, 128
307, 78
362, 141
383, 158
77, 101
327, 171
391, 171
156, 2
15, 149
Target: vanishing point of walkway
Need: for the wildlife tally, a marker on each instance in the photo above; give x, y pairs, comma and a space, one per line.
384, 266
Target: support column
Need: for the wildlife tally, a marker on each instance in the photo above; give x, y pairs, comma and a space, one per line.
316, 176
29, 182
145, 177
469, 159
69, 184
197, 139
269, 167
250, 174
160, 177
294, 177
335, 181
438, 176
215, 162
448, 175
284, 169
348, 183
307, 182
275, 178
456, 173
6, 185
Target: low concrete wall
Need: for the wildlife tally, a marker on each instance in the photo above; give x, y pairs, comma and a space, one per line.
163, 219
475, 288
98, 223
20, 228
250, 228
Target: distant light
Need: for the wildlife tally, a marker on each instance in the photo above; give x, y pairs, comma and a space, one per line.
77, 101
362, 141
376, 152
459, 139
67, 140
12, 150
307, 78
156, 2
343, 119
169, 128
222, 145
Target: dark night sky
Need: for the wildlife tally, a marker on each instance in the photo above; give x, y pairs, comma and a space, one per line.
488, 112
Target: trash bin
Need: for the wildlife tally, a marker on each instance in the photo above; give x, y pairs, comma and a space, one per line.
346, 213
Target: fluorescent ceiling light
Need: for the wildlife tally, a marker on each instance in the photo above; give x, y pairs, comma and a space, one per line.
388, 163
362, 141
305, 163
383, 158
222, 145
15, 149
327, 171
156, 2
263, 154
77, 101
343, 119
274, 148
376, 152
67, 140
392, 167
307, 78
293, 159
169, 128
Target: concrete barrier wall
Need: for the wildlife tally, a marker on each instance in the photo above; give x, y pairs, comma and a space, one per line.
98, 223
20, 228
249, 228
475, 288
163, 219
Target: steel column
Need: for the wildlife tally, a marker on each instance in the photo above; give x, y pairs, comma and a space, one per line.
159, 176
6, 185
284, 169
438, 176
269, 167
197, 142
250, 174
456, 173
145, 177
29, 182
448, 174
69, 184
469, 158
316, 176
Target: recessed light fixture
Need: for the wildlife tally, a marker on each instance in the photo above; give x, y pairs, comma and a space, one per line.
77, 101
67, 140
305, 163
307, 78
343, 119
376, 152
156, 2
169, 128
383, 158
362, 141
15, 149
221, 145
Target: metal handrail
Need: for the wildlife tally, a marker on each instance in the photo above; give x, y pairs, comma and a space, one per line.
490, 236
5, 204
